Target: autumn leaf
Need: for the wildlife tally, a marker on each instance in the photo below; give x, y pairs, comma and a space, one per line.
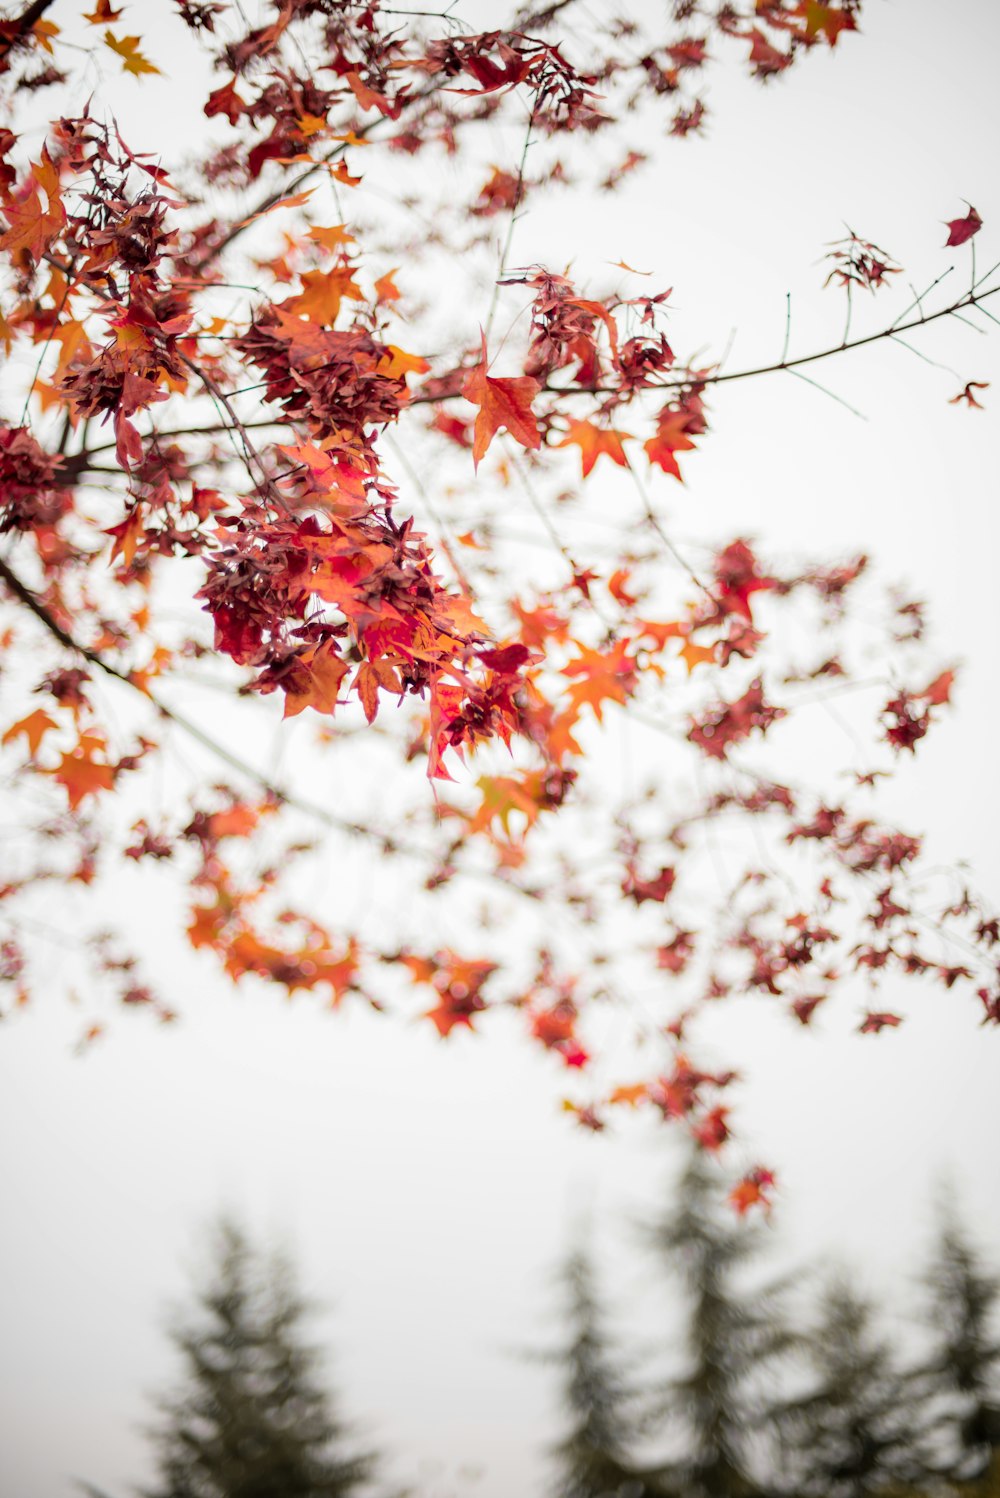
595, 442
386, 289
605, 676
630, 1093
32, 227
656, 889
102, 13
939, 690
696, 655
81, 773
296, 200
126, 536
961, 229
127, 48
967, 394
502, 403
322, 294
332, 238
369, 98
753, 1190
712, 1131
314, 680
33, 728
671, 437
824, 19
370, 676
397, 363
874, 1022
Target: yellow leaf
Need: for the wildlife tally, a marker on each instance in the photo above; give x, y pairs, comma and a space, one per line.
127, 48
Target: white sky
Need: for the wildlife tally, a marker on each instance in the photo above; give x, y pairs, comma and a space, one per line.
427, 1190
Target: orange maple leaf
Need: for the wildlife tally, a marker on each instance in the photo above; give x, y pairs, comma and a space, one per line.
671, 437
102, 13
331, 238
695, 655
314, 680
386, 289
631, 1093
322, 294
34, 728
82, 774
370, 676
595, 442
33, 227
606, 676
502, 403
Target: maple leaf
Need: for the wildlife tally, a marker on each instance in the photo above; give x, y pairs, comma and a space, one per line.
630, 1093
331, 238
32, 227
225, 100
595, 442
34, 728
506, 659
369, 677
939, 690
804, 1008
728, 722
386, 289
314, 680
369, 98
127, 536
676, 954
607, 676
502, 403
81, 773
967, 394
712, 1131
656, 889
671, 437
127, 48
825, 19
322, 294
753, 1190
961, 229
102, 13
765, 59
874, 1022
696, 655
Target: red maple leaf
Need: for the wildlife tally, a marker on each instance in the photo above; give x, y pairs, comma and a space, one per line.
502, 403
873, 1022
961, 229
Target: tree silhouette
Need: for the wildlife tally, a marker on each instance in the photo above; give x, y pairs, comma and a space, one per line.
592, 1460
733, 1335
251, 1418
858, 1428
962, 1375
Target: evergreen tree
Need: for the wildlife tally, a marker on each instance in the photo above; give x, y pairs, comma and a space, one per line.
592, 1460
716, 1405
963, 1373
251, 1419
858, 1428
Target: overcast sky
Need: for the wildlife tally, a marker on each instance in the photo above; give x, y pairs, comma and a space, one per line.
426, 1191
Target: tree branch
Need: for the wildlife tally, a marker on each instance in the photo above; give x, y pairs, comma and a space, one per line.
387, 842
17, 28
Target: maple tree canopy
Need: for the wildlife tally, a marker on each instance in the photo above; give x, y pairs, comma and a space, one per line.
248, 448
